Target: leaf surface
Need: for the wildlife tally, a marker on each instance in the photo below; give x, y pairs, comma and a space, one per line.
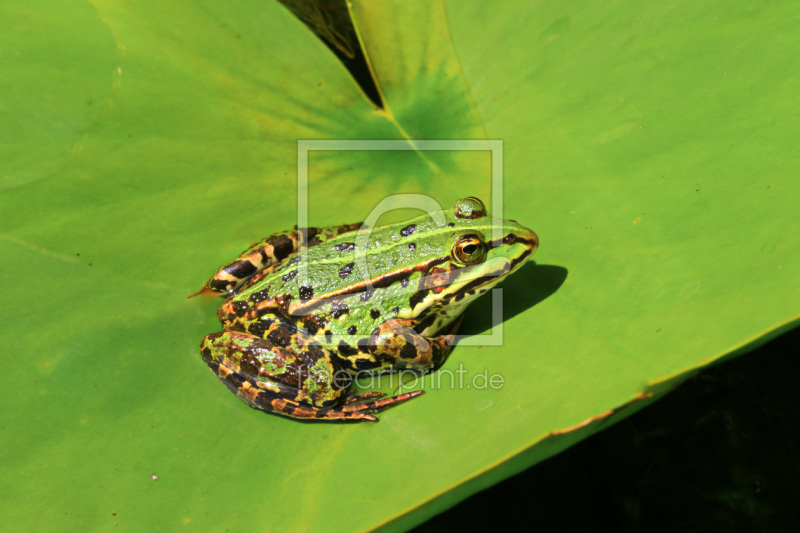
145, 143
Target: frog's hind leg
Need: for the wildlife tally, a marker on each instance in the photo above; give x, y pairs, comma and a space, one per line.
272, 379
269, 251
355, 408
273, 396
268, 400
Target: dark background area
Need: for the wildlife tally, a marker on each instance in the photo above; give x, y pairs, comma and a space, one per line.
720, 453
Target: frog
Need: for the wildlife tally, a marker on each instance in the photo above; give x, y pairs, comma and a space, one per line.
307, 311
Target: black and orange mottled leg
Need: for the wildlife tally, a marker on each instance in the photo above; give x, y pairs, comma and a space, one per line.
269, 251
274, 379
275, 398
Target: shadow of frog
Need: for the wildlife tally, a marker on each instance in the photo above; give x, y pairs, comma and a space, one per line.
532, 284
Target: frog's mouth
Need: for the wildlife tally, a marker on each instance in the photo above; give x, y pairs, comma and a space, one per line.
483, 276
454, 295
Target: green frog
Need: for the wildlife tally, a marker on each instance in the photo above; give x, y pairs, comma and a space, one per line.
307, 310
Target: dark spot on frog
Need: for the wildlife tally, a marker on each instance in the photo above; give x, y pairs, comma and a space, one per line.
241, 269
374, 313
408, 230
345, 247
281, 336
510, 239
366, 364
249, 364
310, 233
338, 362
259, 296
311, 327
290, 276
313, 324
287, 408
346, 270
282, 246
260, 327
220, 285
404, 282
352, 330
293, 260
416, 298
363, 345
328, 336
239, 308
306, 293
395, 310
346, 350
408, 351
234, 381
425, 324
451, 225
283, 300
412, 246
338, 309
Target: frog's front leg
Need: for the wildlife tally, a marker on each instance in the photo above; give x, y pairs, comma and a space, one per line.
305, 385
398, 346
273, 249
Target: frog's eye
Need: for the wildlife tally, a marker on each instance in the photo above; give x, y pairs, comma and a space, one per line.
469, 208
469, 250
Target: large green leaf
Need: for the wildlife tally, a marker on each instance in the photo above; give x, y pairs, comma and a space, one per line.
144, 143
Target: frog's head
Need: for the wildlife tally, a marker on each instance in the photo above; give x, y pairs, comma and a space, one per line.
483, 251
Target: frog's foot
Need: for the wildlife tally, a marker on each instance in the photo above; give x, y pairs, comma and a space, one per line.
356, 404
204, 291
364, 396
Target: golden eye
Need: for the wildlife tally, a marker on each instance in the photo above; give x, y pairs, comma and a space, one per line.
469, 250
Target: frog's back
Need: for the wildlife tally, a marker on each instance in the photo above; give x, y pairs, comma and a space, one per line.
345, 263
